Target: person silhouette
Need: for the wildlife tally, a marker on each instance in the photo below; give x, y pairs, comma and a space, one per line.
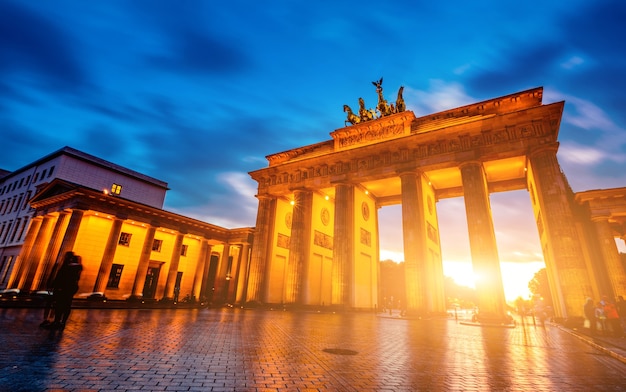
64, 287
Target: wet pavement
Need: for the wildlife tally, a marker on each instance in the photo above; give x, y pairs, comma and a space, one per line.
263, 350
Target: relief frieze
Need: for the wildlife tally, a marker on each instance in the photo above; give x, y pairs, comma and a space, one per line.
283, 241
323, 240
452, 144
366, 237
372, 135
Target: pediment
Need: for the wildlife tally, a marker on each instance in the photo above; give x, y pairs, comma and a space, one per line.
54, 188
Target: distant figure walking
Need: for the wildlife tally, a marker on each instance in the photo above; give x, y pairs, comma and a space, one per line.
590, 315
64, 287
612, 317
621, 309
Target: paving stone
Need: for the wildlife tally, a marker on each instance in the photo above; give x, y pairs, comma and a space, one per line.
259, 350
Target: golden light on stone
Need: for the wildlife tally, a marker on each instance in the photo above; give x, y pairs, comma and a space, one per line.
394, 158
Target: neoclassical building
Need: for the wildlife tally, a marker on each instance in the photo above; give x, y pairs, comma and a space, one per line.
316, 240
130, 247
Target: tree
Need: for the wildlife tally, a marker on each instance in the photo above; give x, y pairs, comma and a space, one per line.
539, 286
456, 295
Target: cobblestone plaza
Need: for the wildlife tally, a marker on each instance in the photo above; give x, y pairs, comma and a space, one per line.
274, 350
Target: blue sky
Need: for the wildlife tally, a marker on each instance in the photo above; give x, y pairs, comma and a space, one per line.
197, 93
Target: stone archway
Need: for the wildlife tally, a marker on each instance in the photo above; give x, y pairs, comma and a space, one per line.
319, 202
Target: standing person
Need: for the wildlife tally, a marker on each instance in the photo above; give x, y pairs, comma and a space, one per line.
590, 314
612, 317
48, 309
621, 309
64, 288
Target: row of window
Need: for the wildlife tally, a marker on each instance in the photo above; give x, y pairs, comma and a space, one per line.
156, 244
17, 230
46, 173
13, 204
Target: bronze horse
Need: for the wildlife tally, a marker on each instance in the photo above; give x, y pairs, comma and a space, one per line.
352, 118
383, 108
400, 105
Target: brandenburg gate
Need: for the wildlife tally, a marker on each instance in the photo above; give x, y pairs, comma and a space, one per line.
317, 240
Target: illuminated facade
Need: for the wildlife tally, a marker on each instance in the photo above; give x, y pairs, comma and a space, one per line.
19, 186
316, 240
130, 247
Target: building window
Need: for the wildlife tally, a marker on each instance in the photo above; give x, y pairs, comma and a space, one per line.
50, 172
183, 250
22, 230
116, 189
28, 194
156, 245
114, 276
19, 202
6, 264
125, 239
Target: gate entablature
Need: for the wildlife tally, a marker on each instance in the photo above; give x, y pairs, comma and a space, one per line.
501, 137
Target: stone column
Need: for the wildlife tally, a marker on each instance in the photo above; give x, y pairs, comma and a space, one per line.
34, 256
222, 280
484, 251
71, 232
242, 275
299, 248
414, 236
21, 264
197, 277
206, 285
563, 253
612, 264
144, 263
54, 244
343, 245
173, 270
231, 295
261, 252
109, 255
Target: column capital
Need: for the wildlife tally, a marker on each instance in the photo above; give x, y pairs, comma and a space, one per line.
552, 147
472, 162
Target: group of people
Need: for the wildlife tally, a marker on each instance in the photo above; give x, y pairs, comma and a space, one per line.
63, 284
606, 316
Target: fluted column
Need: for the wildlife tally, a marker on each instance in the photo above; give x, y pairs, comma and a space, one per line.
343, 245
144, 263
196, 291
222, 280
567, 272
257, 282
484, 251
173, 270
52, 250
414, 236
206, 284
109, 255
613, 267
33, 258
21, 264
299, 248
242, 275
71, 232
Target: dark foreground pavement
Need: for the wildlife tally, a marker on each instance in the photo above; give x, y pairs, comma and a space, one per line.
263, 350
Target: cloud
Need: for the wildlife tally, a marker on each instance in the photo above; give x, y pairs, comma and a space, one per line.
200, 52
32, 45
440, 96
